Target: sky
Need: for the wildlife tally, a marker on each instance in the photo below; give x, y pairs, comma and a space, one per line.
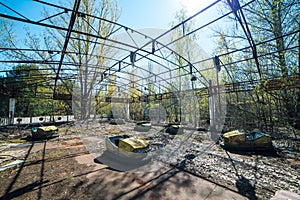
156, 13
135, 14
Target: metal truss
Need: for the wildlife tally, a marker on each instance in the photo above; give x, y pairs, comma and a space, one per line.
58, 65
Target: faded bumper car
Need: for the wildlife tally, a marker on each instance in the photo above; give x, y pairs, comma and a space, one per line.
124, 153
246, 141
174, 128
142, 126
44, 132
127, 146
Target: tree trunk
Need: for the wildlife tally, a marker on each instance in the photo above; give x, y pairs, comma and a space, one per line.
277, 31
297, 125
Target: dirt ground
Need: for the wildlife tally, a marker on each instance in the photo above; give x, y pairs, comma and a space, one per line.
64, 169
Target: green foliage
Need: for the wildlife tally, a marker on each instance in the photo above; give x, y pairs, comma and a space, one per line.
4, 99
33, 94
271, 98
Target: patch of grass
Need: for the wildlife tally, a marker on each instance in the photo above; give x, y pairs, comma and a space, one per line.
201, 136
28, 162
2, 141
53, 154
6, 162
18, 140
221, 150
69, 179
114, 132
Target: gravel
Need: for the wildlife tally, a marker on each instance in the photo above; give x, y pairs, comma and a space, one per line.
255, 175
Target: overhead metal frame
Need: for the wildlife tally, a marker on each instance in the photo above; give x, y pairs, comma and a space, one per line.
38, 22
119, 65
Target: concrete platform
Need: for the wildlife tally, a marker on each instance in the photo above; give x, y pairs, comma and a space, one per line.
161, 182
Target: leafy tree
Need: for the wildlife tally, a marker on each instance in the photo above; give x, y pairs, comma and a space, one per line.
89, 60
185, 104
135, 106
63, 106
24, 83
273, 25
107, 91
183, 47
